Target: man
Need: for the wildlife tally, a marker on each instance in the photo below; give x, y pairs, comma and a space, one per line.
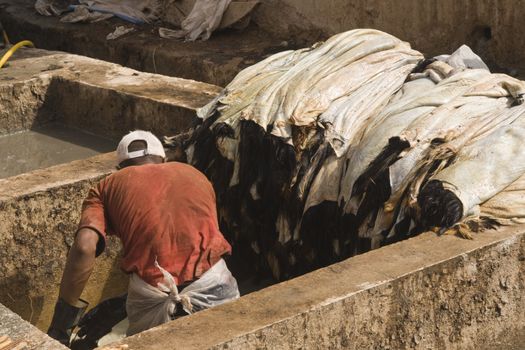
166, 219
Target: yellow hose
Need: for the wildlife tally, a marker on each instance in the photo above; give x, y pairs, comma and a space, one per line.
12, 50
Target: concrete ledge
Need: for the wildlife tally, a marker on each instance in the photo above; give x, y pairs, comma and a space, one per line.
41, 180
18, 330
428, 292
99, 97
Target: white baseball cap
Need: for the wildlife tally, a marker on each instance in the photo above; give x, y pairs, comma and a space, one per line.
153, 146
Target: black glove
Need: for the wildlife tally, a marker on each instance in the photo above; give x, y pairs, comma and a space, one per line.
65, 318
102, 318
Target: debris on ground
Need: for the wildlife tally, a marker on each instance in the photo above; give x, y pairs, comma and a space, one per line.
325, 152
205, 16
51, 7
119, 31
7, 343
134, 11
82, 14
203, 19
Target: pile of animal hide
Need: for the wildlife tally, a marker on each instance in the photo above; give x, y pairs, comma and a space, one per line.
322, 153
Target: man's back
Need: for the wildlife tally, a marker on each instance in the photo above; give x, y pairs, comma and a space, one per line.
165, 216
164, 212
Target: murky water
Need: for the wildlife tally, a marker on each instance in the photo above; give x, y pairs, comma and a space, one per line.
47, 146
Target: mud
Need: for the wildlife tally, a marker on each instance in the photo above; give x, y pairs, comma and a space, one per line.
50, 145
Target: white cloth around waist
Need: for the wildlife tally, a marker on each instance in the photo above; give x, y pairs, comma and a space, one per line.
148, 306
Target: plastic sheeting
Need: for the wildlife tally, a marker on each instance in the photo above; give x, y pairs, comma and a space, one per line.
203, 19
205, 16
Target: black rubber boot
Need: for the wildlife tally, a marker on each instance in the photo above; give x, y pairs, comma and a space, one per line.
65, 318
102, 318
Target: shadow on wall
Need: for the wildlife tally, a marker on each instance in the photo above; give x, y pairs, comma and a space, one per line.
16, 294
111, 114
489, 27
34, 304
116, 282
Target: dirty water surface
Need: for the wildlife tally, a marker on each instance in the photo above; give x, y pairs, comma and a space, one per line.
47, 146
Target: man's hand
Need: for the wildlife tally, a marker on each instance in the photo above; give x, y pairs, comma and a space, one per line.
65, 318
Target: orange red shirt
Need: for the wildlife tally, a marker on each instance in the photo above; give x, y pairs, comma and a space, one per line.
159, 211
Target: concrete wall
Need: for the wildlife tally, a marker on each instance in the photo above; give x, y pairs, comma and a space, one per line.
428, 292
20, 103
39, 213
98, 97
490, 27
40, 210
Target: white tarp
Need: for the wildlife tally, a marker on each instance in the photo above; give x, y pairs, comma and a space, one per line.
204, 18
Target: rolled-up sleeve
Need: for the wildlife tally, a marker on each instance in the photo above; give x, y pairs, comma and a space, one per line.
93, 215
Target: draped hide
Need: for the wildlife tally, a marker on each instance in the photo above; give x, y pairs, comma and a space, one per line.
325, 152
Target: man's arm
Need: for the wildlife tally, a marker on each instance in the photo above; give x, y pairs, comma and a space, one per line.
79, 265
